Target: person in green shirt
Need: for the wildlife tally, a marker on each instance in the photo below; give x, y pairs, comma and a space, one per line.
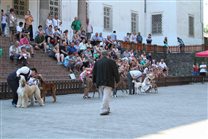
40, 42
76, 25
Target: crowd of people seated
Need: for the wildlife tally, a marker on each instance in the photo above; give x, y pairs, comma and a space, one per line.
82, 50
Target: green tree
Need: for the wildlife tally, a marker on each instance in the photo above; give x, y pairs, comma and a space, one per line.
206, 29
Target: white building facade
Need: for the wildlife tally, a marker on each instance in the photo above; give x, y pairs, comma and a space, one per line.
171, 18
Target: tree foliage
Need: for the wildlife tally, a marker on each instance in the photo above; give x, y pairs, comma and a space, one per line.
206, 29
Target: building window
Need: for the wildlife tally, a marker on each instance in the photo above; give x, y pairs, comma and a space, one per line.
157, 24
134, 22
108, 18
55, 7
191, 26
21, 7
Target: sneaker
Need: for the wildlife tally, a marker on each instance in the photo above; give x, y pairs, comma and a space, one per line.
59, 63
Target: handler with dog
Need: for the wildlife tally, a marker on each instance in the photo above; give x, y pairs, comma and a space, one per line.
105, 74
13, 80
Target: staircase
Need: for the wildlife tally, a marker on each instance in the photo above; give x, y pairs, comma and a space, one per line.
45, 65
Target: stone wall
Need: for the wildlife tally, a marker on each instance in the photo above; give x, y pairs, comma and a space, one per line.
179, 64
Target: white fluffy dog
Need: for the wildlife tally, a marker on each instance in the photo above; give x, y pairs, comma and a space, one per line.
137, 86
26, 93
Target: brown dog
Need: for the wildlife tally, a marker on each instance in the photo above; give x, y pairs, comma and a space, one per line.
45, 87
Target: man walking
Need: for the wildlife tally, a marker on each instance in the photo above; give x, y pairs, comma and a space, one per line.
105, 74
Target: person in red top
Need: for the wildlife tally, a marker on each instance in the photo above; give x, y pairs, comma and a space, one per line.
195, 69
25, 42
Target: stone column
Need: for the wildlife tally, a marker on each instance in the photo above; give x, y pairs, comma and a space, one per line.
82, 12
44, 11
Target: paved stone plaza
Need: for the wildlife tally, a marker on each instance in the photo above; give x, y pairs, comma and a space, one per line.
138, 116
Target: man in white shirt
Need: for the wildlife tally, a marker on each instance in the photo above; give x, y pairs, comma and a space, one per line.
133, 75
13, 81
163, 66
203, 69
57, 22
89, 30
19, 30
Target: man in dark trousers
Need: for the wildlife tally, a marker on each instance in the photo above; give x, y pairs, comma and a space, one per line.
105, 74
13, 80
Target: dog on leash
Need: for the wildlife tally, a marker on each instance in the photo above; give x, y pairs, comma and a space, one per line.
137, 86
45, 87
26, 93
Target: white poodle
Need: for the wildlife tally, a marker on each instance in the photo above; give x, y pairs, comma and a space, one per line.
26, 93
137, 86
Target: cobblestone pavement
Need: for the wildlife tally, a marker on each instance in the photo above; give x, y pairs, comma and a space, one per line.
138, 116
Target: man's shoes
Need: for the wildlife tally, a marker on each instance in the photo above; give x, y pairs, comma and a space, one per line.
14, 104
105, 113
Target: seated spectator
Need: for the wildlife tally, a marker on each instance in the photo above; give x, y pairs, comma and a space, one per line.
95, 39
195, 69
78, 64
126, 54
14, 52
149, 39
24, 56
40, 29
82, 45
69, 62
203, 69
63, 48
76, 37
88, 54
40, 42
83, 35
71, 48
108, 41
19, 29
139, 38
149, 57
25, 42
164, 67
76, 45
49, 35
57, 22
56, 34
88, 44
65, 36
100, 37
59, 57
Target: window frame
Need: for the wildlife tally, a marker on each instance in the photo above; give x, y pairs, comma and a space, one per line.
110, 17
55, 6
157, 32
24, 10
136, 22
191, 30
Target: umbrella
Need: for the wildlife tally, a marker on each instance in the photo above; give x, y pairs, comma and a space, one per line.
202, 54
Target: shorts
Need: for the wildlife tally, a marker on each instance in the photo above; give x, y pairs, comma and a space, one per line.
12, 30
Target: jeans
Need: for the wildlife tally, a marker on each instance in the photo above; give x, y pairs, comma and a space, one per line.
3, 27
107, 94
